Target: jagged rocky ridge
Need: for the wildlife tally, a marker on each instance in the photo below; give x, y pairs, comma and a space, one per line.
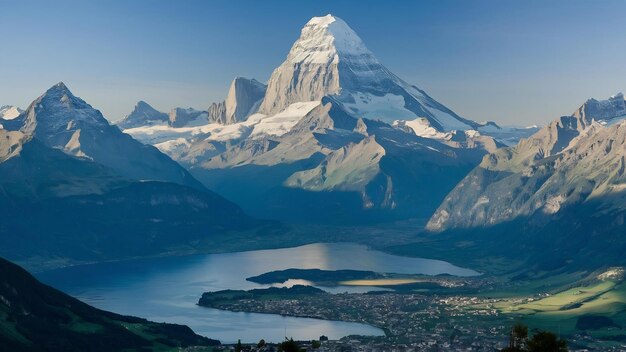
143, 115
243, 99
573, 160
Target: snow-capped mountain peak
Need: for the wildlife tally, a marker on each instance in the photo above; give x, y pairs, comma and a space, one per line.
58, 110
60, 94
324, 39
63, 94
143, 115
59, 87
142, 105
329, 59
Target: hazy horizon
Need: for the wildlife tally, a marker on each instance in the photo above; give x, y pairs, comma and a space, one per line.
526, 63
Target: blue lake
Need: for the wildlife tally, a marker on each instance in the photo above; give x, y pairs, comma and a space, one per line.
167, 289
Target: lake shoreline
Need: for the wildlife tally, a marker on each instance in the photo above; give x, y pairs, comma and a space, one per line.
167, 288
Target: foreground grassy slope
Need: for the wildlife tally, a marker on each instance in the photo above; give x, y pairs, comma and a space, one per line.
36, 317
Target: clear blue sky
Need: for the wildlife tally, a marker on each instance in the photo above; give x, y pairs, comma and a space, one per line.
515, 62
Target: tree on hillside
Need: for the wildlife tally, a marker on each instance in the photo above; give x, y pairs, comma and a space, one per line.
315, 344
545, 341
261, 344
289, 346
518, 338
542, 341
239, 347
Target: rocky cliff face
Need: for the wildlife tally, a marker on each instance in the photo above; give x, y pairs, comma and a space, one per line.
10, 143
217, 113
180, 117
243, 99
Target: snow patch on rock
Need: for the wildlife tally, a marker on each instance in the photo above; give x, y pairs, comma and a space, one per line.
284, 121
9, 112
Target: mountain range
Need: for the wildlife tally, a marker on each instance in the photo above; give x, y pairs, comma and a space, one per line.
333, 136
338, 137
76, 188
